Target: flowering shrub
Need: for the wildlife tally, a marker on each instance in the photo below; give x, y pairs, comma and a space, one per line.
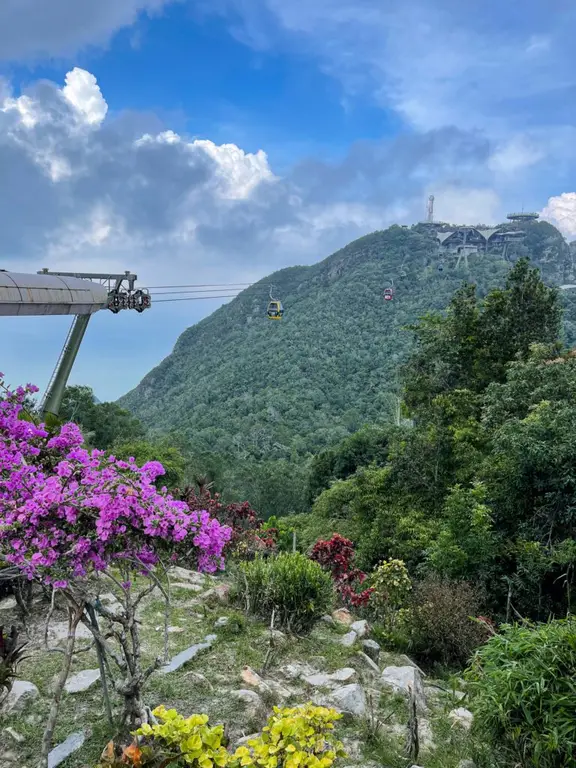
337, 555
65, 511
392, 586
294, 738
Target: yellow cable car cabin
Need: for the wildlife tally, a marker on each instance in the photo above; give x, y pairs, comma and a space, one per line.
275, 310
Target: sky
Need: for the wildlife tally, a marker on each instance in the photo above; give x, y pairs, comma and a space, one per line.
212, 141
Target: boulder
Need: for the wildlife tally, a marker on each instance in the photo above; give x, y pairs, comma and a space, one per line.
185, 656
349, 639
186, 585
404, 680
296, 669
343, 616
360, 627
253, 679
251, 708
20, 695
14, 735
372, 649
321, 680
82, 681
407, 661
63, 751
372, 666
466, 764
222, 622
111, 603
461, 716
350, 699
8, 604
184, 574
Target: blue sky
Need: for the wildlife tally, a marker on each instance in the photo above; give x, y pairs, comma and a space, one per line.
196, 141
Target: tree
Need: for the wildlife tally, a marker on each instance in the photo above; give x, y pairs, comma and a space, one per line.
102, 423
144, 451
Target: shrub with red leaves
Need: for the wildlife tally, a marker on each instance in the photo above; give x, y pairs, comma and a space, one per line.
248, 538
337, 556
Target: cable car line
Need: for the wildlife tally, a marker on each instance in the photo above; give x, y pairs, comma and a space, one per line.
196, 298
199, 285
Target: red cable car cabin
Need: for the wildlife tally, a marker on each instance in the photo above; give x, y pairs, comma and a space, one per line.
388, 294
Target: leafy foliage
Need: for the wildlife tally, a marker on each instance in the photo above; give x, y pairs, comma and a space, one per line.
336, 556
143, 451
294, 738
391, 588
103, 424
523, 689
297, 589
441, 622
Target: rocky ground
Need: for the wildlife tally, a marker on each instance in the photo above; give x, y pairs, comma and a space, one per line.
235, 670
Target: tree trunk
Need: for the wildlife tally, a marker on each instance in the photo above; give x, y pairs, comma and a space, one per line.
74, 615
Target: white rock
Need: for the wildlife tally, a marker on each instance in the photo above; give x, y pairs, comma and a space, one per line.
350, 699
223, 621
360, 627
246, 696
17, 737
349, 639
58, 632
183, 574
82, 681
403, 680
368, 662
296, 670
111, 602
8, 604
186, 585
21, 694
345, 675
372, 649
187, 655
425, 736
328, 620
466, 764
63, 751
253, 678
322, 680
462, 716
279, 638
319, 680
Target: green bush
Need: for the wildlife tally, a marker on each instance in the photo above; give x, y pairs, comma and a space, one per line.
441, 621
297, 589
523, 693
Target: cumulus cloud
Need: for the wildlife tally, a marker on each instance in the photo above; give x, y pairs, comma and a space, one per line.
561, 211
83, 92
31, 29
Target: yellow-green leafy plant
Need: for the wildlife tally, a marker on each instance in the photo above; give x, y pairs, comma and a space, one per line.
302, 737
187, 741
392, 586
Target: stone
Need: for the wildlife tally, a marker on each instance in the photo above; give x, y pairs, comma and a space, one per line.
187, 655
184, 574
345, 675
353, 748
322, 680
279, 638
186, 585
63, 751
253, 678
328, 620
218, 594
58, 632
296, 670
409, 663
21, 694
461, 716
111, 602
350, 699
360, 627
425, 736
222, 622
319, 680
403, 680
251, 705
200, 679
17, 737
466, 764
372, 666
8, 604
245, 739
349, 639
343, 616
372, 649
82, 681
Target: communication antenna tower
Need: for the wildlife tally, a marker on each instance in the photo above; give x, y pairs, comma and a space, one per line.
430, 209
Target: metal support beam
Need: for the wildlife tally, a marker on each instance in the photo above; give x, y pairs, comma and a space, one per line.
55, 390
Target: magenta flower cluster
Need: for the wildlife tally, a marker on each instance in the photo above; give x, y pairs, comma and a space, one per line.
66, 511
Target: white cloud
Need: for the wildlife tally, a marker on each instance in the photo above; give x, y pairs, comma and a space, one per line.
467, 206
561, 211
83, 92
240, 172
515, 154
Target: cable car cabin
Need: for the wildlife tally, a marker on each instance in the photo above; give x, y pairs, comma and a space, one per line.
388, 294
275, 310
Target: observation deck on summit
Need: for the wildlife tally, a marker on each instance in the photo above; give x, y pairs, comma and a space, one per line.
523, 217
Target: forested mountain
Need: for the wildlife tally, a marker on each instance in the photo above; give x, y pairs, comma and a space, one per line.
260, 393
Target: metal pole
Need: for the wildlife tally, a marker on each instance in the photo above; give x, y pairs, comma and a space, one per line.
55, 391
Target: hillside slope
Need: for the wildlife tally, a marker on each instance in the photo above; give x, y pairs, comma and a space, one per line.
249, 388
